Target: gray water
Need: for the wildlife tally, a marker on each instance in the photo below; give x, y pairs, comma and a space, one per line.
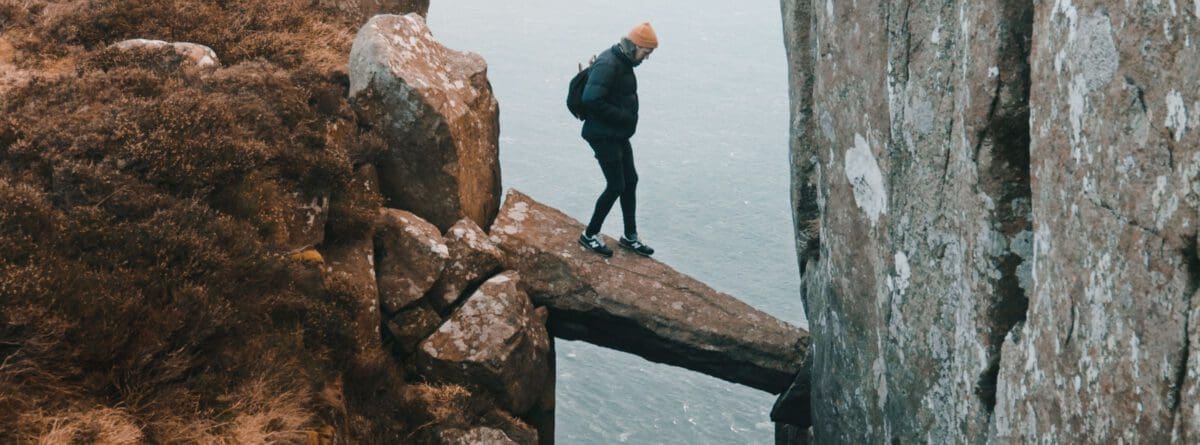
711, 153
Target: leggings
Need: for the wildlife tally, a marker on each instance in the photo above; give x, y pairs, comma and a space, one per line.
616, 161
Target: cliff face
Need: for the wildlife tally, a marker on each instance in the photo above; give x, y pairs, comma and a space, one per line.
966, 173
1108, 350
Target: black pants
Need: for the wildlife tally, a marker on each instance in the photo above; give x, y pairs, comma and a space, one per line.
616, 161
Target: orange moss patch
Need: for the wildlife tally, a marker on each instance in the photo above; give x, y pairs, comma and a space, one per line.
144, 297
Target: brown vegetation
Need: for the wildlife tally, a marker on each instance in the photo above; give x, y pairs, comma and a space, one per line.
145, 293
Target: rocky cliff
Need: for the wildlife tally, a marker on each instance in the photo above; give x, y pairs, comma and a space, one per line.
264, 224
994, 208
195, 248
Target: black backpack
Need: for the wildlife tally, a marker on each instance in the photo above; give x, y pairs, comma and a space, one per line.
575, 90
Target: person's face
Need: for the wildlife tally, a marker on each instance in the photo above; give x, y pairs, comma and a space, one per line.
641, 54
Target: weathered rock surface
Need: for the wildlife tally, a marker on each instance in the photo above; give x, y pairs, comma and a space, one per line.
475, 436
350, 274
954, 224
495, 341
641, 306
1108, 353
198, 54
364, 9
410, 255
473, 257
437, 110
910, 163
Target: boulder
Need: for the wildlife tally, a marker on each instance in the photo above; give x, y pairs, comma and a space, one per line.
200, 55
410, 255
473, 258
361, 10
641, 306
436, 109
494, 342
1109, 350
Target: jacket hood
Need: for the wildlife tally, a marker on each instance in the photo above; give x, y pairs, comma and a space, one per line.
624, 51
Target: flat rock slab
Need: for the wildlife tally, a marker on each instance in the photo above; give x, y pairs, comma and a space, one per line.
641, 306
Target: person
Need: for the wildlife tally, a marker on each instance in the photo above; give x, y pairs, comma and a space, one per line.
610, 104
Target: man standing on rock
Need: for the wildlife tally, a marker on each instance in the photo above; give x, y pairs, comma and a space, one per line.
610, 105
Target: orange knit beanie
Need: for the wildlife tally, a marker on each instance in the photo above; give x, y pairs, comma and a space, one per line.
643, 35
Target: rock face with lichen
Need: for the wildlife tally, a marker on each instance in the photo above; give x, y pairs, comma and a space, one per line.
411, 255
1108, 351
436, 107
911, 190
995, 208
496, 342
473, 257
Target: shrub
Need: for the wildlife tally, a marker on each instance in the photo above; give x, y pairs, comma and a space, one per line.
145, 290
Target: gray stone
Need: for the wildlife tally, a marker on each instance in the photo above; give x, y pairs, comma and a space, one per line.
473, 257
411, 255
496, 342
200, 55
436, 109
641, 306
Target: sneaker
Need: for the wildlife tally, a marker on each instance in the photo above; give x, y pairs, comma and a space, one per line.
594, 244
636, 246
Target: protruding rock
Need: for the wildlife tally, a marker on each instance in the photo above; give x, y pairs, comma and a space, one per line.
473, 256
410, 254
436, 108
793, 407
641, 306
362, 10
201, 55
496, 342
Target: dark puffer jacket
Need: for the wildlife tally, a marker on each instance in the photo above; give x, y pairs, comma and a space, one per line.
610, 99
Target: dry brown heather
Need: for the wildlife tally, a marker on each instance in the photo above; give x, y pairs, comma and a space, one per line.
143, 294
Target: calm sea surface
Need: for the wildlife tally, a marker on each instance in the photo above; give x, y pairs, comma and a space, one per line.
711, 152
